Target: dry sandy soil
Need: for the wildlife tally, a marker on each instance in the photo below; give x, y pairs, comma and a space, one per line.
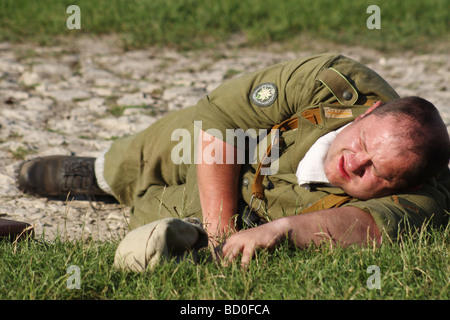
58, 100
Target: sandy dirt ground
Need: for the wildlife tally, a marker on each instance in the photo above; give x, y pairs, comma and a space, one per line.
67, 99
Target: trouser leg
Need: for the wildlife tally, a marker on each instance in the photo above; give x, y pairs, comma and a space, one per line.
141, 173
158, 202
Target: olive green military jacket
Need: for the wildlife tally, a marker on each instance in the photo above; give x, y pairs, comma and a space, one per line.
323, 92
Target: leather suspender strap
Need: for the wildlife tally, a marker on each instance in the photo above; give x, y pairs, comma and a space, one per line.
330, 201
257, 186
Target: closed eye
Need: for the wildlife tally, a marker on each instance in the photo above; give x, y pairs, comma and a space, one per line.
362, 141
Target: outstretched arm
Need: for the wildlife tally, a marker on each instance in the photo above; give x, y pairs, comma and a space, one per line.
218, 186
344, 225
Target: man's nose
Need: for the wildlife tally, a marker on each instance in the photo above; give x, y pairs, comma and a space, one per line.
357, 163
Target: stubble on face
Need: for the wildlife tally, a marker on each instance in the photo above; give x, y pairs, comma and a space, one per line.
368, 158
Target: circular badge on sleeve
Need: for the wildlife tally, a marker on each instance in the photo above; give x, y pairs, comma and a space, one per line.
264, 94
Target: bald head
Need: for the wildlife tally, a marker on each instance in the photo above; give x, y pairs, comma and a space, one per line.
423, 133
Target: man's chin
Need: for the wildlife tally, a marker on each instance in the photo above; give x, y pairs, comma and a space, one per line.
365, 196
358, 196
352, 192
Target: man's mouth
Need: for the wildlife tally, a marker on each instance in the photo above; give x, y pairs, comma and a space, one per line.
341, 169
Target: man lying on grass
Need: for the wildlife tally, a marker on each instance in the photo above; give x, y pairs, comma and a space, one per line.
394, 149
339, 156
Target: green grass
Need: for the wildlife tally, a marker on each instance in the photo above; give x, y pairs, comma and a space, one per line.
190, 24
415, 268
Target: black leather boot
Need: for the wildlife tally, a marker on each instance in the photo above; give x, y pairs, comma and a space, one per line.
56, 176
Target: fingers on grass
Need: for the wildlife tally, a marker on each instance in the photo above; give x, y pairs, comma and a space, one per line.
230, 254
247, 255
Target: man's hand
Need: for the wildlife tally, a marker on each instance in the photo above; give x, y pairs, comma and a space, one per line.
343, 226
266, 236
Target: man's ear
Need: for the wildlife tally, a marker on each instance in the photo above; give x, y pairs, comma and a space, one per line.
371, 108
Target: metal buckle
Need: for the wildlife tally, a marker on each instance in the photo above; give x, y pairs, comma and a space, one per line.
250, 205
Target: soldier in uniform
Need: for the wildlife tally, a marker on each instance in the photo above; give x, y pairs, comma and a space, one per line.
336, 177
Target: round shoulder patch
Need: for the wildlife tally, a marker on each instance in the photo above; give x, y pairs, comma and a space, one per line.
264, 94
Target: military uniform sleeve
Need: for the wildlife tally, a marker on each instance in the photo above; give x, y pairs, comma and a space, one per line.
396, 214
261, 99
